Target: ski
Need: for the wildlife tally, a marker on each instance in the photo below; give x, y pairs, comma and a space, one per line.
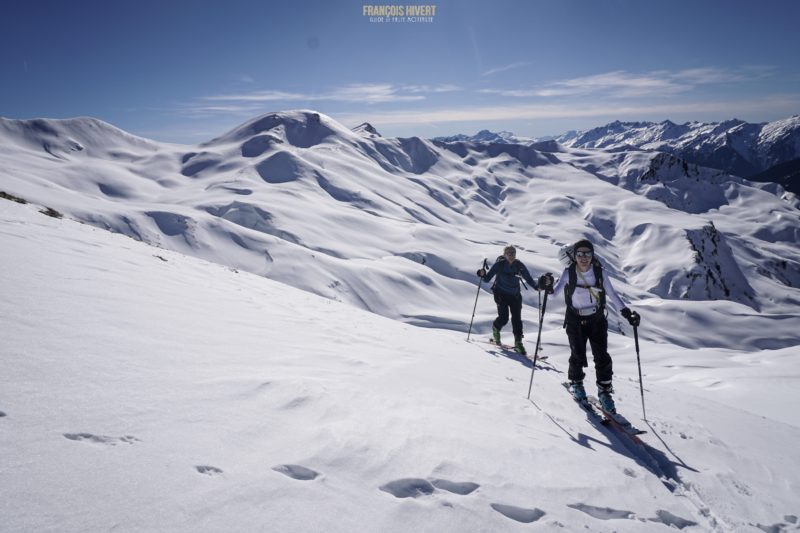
616, 419
510, 348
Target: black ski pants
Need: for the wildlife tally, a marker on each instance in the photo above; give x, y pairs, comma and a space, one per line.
509, 303
593, 328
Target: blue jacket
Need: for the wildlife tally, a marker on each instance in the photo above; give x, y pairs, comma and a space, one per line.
508, 275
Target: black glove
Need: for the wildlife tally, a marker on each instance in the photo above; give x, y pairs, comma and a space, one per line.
546, 283
481, 272
632, 317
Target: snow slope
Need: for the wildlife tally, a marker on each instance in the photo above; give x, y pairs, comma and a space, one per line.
399, 226
147, 390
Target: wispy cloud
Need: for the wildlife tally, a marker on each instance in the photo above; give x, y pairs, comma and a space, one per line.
370, 94
376, 93
446, 88
505, 68
594, 109
256, 96
622, 84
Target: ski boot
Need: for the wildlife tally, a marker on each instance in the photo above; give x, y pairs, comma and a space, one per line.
519, 347
577, 390
604, 392
495, 335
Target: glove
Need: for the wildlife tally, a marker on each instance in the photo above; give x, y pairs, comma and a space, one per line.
632, 317
481, 272
546, 283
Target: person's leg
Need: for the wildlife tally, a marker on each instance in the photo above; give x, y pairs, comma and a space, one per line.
515, 305
577, 348
598, 340
502, 312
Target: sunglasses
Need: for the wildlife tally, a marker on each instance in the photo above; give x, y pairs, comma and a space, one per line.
583, 254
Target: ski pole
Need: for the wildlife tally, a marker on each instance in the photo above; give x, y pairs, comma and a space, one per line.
538, 342
635, 320
539, 305
485, 264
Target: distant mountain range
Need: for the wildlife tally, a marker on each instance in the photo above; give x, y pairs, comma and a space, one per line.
486, 136
761, 152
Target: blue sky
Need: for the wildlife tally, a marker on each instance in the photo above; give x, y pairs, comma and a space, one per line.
186, 71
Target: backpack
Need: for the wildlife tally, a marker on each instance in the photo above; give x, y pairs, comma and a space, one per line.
567, 257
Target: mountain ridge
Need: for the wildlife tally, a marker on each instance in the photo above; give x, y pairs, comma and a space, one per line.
735, 146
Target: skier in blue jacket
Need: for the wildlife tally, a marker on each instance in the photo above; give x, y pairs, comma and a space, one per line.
507, 294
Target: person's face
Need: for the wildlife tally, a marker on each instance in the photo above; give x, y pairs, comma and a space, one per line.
510, 256
584, 257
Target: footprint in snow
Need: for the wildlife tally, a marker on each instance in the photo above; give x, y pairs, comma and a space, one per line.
602, 513
208, 470
2, 414
462, 488
416, 487
629, 472
100, 439
669, 519
408, 488
780, 527
520, 514
296, 472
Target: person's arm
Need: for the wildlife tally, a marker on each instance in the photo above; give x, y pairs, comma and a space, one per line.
492, 271
561, 282
611, 294
527, 276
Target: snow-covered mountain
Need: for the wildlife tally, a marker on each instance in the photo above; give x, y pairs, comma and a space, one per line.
735, 146
399, 226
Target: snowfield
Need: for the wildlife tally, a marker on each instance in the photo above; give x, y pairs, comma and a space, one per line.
146, 390
281, 346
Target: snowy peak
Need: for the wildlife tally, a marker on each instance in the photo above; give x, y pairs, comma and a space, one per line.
302, 129
367, 130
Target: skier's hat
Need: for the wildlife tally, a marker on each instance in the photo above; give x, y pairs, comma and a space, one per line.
583, 243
